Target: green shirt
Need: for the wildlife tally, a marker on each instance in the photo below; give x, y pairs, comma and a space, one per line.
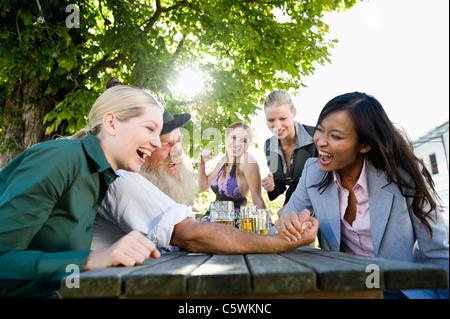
49, 197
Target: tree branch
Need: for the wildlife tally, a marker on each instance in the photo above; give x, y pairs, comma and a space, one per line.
102, 64
17, 27
185, 102
105, 63
158, 12
178, 50
106, 21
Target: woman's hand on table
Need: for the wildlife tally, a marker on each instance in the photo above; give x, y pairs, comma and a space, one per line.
132, 249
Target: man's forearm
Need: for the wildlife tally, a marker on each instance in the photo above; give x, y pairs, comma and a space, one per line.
221, 239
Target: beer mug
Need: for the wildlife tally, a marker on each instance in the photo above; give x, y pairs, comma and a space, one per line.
249, 219
222, 212
264, 221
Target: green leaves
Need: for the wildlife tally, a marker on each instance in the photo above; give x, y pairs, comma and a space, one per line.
68, 110
244, 49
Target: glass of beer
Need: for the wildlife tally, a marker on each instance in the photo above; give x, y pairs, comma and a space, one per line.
249, 219
264, 221
222, 212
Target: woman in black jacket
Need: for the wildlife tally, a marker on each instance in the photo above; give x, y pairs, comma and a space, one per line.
289, 148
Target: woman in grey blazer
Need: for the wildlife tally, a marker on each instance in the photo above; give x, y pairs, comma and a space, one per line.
369, 191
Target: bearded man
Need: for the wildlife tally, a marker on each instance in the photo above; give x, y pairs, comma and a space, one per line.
170, 170
132, 202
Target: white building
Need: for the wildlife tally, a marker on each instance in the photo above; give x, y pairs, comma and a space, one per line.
432, 149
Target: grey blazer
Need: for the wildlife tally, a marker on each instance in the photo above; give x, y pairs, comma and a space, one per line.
395, 229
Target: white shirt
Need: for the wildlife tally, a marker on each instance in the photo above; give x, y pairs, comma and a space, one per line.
134, 203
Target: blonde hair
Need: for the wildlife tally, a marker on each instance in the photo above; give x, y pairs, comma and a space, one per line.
124, 101
277, 98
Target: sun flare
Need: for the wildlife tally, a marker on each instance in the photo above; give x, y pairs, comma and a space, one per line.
189, 83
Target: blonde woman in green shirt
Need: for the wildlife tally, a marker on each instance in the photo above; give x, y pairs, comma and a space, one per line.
49, 195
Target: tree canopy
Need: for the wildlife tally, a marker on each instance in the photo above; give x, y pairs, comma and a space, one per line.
56, 57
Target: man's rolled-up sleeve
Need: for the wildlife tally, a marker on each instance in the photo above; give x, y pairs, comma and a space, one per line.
140, 205
160, 229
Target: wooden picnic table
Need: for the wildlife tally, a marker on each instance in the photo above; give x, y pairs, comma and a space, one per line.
300, 273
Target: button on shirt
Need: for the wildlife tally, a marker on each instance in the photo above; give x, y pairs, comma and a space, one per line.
356, 238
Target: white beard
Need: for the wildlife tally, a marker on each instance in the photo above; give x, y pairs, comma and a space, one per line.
179, 184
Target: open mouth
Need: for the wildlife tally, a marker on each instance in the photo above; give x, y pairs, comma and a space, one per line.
171, 165
143, 153
325, 158
277, 132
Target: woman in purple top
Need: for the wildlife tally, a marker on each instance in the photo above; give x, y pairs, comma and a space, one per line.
237, 174
229, 189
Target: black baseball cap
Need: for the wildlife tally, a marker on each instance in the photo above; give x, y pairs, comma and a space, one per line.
171, 122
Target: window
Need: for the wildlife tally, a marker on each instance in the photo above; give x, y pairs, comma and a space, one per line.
433, 162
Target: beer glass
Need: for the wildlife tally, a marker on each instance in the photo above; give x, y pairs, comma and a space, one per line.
249, 219
222, 212
264, 221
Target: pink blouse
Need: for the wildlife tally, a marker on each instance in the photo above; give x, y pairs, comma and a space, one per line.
356, 238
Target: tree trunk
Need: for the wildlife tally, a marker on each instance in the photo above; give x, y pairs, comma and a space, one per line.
24, 127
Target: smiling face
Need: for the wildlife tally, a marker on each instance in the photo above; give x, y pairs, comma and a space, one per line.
280, 120
133, 139
338, 144
237, 141
169, 155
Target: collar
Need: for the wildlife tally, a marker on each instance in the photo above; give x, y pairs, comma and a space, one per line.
95, 155
362, 180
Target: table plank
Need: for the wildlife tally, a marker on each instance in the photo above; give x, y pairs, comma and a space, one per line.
272, 273
221, 274
107, 282
165, 279
334, 274
397, 274
301, 273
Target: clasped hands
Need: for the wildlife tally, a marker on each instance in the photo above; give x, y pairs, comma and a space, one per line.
135, 247
295, 227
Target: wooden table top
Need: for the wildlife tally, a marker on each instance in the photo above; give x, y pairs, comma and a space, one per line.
300, 273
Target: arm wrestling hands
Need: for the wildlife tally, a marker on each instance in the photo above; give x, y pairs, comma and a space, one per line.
292, 226
294, 230
222, 239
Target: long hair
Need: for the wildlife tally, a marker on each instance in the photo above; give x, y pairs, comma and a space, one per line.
235, 168
124, 101
391, 151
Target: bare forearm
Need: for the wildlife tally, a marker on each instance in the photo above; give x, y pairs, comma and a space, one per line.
202, 178
259, 201
222, 239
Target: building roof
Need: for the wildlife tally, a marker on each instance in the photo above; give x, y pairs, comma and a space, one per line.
437, 132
